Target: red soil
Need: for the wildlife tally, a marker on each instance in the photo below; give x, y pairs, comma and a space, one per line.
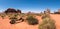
4, 23
56, 17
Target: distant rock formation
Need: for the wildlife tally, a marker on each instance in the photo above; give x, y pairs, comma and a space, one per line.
58, 12
18, 11
47, 11
11, 10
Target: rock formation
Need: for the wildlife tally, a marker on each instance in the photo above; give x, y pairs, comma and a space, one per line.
58, 12
11, 10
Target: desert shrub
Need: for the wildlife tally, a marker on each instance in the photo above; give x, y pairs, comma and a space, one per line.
3, 15
45, 16
13, 18
14, 15
21, 19
31, 20
47, 23
39, 14
12, 22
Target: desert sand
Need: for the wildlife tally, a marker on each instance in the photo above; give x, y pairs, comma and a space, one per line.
56, 17
4, 23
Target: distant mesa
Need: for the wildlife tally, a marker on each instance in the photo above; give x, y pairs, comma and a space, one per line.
12, 10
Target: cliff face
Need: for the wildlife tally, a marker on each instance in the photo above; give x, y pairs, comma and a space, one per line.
11, 10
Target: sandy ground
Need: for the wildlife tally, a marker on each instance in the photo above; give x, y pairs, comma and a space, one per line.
56, 17
4, 23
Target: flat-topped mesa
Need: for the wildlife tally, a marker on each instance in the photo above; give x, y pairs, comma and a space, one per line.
11, 10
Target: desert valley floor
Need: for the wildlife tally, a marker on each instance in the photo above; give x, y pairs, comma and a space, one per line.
4, 23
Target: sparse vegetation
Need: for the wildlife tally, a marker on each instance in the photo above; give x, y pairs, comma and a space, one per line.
47, 23
17, 17
3, 15
13, 18
21, 19
31, 20
45, 16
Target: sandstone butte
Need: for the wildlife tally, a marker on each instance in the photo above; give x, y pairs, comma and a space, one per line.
4, 23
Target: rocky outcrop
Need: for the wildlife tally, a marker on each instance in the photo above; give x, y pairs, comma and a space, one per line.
18, 11
11, 10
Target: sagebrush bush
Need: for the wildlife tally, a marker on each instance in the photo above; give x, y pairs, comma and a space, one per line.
47, 23
31, 20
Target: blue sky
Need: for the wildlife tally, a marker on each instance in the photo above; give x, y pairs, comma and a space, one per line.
30, 5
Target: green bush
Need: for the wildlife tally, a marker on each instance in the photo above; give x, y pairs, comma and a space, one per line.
31, 20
